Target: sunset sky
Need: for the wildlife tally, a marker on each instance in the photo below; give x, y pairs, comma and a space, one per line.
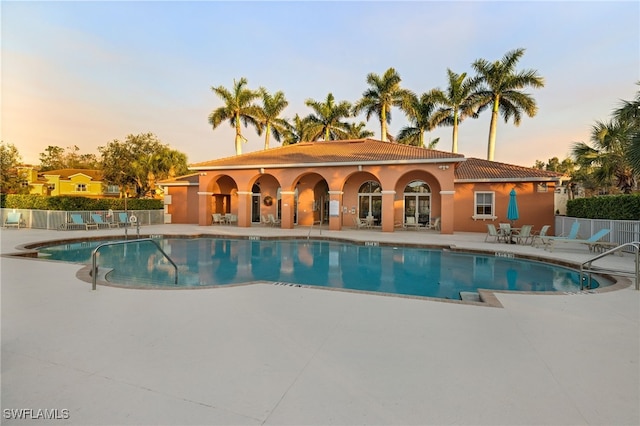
86, 73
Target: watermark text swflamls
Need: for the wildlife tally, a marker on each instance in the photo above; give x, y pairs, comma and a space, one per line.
35, 414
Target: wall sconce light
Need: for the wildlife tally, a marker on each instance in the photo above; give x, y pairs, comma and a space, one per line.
443, 167
261, 170
203, 174
360, 168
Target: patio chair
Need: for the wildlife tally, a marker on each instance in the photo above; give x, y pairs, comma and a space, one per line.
264, 220
492, 232
14, 219
591, 242
523, 235
436, 224
97, 219
360, 223
78, 221
542, 235
573, 232
216, 218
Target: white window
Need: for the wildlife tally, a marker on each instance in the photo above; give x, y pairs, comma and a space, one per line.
81, 187
542, 187
113, 189
484, 205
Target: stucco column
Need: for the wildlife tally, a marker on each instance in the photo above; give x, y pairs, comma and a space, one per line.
335, 220
286, 209
446, 218
204, 208
388, 198
244, 209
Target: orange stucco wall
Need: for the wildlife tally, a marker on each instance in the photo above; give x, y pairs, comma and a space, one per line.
232, 191
535, 208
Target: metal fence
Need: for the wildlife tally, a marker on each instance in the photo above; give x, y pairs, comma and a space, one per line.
55, 219
622, 231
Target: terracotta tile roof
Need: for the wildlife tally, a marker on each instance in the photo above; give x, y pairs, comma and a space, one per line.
346, 151
192, 178
67, 173
477, 170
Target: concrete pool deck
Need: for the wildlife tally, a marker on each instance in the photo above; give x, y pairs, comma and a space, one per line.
265, 354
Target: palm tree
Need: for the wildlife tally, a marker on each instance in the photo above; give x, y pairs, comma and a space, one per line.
456, 103
326, 123
629, 111
268, 118
238, 107
297, 131
383, 94
502, 91
608, 156
359, 131
420, 114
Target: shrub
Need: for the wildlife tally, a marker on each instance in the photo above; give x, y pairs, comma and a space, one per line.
73, 203
615, 207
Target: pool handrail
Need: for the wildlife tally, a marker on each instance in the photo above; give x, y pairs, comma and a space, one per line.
94, 266
587, 266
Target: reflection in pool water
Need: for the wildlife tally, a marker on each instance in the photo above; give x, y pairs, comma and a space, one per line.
397, 270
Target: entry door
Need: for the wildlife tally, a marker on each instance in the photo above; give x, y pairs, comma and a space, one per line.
255, 208
418, 207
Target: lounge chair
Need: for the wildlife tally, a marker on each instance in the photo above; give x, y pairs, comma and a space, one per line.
492, 232
591, 242
78, 222
436, 224
523, 235
14, 219
97, 219
360, 223
573, 232
273, 220
410, 222
216, 218
123, 220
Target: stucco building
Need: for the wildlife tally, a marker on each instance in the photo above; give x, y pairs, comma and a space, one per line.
339, 182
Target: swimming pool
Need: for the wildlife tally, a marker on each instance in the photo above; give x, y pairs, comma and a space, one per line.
206, 262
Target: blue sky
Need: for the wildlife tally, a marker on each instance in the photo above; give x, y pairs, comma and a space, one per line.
86, 73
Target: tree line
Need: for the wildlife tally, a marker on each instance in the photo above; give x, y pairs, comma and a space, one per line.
610, 162
497, 86
135, 164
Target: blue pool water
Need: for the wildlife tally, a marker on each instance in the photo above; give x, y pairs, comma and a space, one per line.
397, 270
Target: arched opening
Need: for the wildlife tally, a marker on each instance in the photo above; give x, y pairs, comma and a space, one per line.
255, 203
370, 202
417, 202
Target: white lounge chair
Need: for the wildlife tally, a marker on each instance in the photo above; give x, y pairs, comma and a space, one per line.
492, 232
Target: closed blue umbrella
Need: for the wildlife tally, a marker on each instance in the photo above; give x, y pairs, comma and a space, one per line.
512, 208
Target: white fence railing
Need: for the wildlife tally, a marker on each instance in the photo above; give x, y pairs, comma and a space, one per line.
622, 231
54, 219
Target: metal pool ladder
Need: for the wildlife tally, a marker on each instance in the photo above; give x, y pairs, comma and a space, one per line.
587, 268
94, 265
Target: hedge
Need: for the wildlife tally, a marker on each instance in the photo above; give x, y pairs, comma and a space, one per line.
614, 207
73, 203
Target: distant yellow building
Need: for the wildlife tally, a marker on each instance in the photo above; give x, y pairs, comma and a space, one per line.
81, 182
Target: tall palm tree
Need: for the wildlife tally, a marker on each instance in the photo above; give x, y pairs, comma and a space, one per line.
326, 123
238, 107
501, 90
359, 131
383, 94
456, 103
269, 116
296, 131
419, 111
629, 111
608, 156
